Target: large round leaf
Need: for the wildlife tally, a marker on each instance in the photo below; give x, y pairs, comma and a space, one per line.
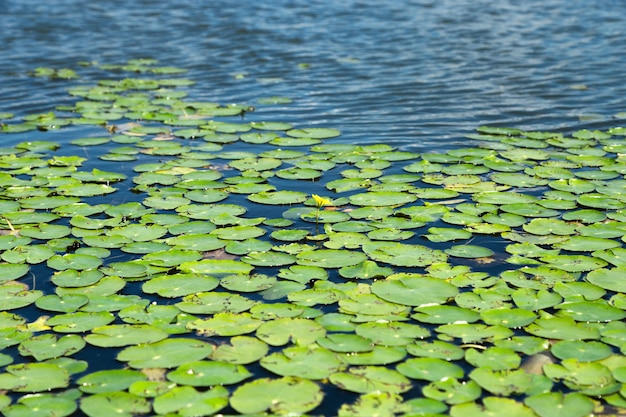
414, 290
403, 254
281, 396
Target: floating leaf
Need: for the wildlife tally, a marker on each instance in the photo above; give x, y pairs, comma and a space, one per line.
208, 373
168, 353
414, 291
282, 396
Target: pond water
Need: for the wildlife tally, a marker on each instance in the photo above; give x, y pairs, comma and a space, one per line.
419, 76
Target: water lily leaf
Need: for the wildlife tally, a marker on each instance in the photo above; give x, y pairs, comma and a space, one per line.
242, 350
297, 360
226, 324
48, 346
330, 258
562, 328
187, 401
10, 272
247, 283
387, 198
556, 404
453, 391
587, 244
216, 267
511, 318
609, 279
492, 407
109, 381
496, 358
117, 335
47, 405
65, 304
168, 353
436, 349
34, 377
471, 333
590, 311
278, 197
365, 270
414, 291
214, 302
177, 285
529, 299
364, 379
282, 396
574, 263
502, 382
429, 369
469, 251
79, 322
280, 331
208, 373
269, 258
401, 254
585, 377
74, 278
73, 261
118, 403
446, 234
391, 333
346, 343
104, 286
16, 295
580, 350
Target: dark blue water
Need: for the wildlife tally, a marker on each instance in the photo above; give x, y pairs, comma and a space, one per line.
418, 74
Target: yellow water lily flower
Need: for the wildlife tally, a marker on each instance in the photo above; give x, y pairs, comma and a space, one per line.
321, 201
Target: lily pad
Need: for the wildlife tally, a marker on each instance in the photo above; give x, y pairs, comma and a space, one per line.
168, 353
282, 396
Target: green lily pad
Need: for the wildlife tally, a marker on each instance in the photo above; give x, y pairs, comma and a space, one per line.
452, 391
177, 285
208, 373
330, 258
109, 380
242, 350
168, 353
297, 360
414, 290
280, 331
469, 251
34, 377
562, 328
365, 379
45, 405
226, 324
187, 401
282, 396
430, 369
79, 322
556, 404
504, 382
15, 295
10, 272
117, 335
214, 302
401, 254
388, 198
609, 279
118, 403
581, 350
491, 407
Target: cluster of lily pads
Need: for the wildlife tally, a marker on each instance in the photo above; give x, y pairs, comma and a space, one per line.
257, 268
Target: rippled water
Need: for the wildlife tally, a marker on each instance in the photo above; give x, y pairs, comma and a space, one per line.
418, 74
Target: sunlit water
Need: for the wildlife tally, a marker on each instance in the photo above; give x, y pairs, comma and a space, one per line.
418, 74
